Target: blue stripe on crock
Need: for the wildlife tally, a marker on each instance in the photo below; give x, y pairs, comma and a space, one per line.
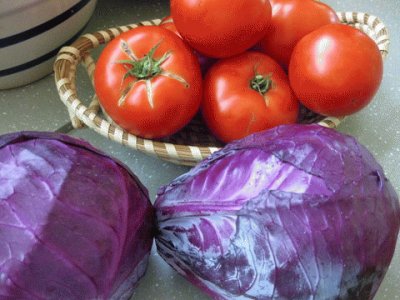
30, 33
39, 60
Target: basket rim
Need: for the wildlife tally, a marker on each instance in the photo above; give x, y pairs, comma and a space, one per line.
79, 52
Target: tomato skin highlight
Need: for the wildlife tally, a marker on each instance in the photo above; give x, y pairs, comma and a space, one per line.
221, 28
232, 109
336, 70
290, 21
173, 104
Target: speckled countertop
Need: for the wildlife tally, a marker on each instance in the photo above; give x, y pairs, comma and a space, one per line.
37, 107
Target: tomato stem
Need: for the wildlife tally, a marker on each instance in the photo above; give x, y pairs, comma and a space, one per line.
261, 83
143, 68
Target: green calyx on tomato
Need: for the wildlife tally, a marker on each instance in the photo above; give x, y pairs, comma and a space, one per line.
261, 83
144, 69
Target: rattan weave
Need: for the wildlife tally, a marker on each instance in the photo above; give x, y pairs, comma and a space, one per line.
194, 142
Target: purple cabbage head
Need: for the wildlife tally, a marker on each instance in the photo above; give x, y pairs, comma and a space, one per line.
74, 223
296, 212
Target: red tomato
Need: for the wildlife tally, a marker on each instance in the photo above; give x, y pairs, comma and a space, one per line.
204, 61
148, 81
245, 94
221, 28
291, 20
336, 70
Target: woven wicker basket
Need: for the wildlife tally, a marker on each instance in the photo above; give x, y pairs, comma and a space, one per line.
194, 142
